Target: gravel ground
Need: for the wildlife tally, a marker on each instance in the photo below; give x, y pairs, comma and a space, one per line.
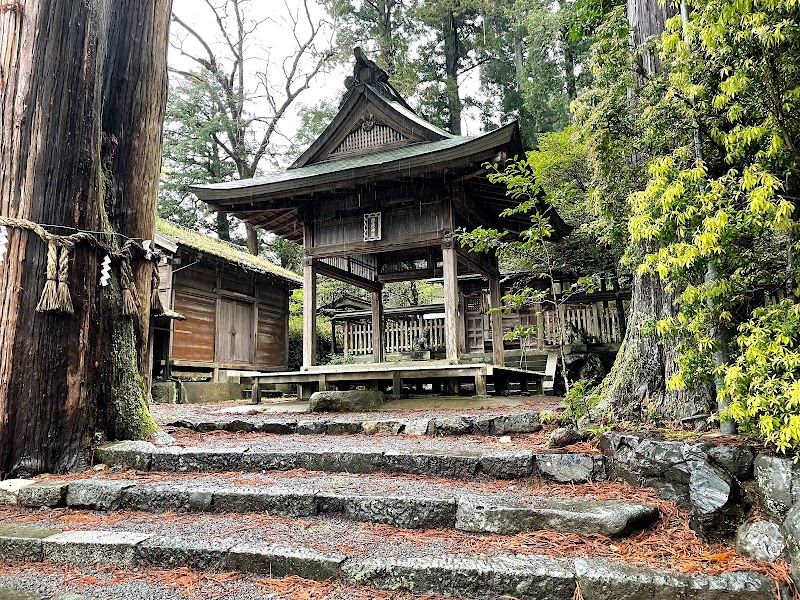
293, 410
114, 584
536, 442
523, 491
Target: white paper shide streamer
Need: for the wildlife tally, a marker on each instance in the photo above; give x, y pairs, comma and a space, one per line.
105, 271
3, 241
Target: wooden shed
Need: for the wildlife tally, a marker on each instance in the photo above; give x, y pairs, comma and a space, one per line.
229, 309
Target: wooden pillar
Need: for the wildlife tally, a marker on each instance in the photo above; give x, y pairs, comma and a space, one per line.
451, 327
333, 338
255, 393
309, 314
498, 349
480, 384
346, 337
397, 384
377, 327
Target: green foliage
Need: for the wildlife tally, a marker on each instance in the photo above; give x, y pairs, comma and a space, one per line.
191, 156
579, 401
716, 225
763, 384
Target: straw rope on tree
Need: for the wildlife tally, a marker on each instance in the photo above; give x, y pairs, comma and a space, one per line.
56, 296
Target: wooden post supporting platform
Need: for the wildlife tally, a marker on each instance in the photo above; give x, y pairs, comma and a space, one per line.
451, 328
397, 384
377, 327
498, 349
480, 385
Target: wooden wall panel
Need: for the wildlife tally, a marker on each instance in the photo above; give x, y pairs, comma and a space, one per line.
194, 338
271, 339
235, 332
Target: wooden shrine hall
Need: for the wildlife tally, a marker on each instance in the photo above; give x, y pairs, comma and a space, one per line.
375, 199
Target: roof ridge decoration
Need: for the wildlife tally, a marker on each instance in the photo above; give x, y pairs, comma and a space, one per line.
367, 72
372, 117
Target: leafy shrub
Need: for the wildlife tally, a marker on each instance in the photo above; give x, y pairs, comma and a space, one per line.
763, 385
296, 341
580, 400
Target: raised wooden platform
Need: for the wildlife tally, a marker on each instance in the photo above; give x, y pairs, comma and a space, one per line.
377, 375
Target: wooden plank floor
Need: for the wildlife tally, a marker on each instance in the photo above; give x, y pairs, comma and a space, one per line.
324, 377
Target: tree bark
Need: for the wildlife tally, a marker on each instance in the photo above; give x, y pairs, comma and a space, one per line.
638, 381
82, 99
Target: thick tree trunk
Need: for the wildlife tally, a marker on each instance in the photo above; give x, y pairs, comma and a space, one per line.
223, 226
82, 97
638, 381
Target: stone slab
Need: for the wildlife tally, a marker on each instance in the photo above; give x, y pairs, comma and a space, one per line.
603, 580
131, 454
507, 465
608, 518
570, 467
276, 501
342, 461
173, 552
281, 561
13, 594
93, 547
23, 542
47, 493
435, 463
167, 497
99, 494
405, 512
10, 489
524, 578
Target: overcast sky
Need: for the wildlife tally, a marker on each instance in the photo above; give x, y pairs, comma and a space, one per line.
273, 43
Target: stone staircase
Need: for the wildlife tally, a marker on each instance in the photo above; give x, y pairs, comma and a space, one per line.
450, 514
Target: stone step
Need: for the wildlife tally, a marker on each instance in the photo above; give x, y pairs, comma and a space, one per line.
405, 508
436, 462
481, 577
451, 424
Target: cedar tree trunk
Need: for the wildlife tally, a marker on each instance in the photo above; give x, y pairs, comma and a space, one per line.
637, 383
82, 99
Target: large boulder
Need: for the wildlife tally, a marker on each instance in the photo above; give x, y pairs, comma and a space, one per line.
791, 531
692, 475
777, 482
345, 401
761, 540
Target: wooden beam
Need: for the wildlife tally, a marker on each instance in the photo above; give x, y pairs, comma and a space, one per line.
309, 301
342, 275
451, 328
353, 248
377, 327
498, 348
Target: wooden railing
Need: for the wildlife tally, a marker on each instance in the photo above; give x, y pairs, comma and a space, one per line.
596, 323
400, 335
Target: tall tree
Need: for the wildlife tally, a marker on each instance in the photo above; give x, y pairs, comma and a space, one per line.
192, 154
248, 107
625, 134
454, 28
89, 78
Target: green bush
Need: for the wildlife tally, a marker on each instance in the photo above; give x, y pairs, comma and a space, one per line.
296, 341
763, 385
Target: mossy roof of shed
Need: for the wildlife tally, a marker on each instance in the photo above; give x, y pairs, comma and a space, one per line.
225, 251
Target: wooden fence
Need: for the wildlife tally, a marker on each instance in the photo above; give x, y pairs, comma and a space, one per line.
596, 323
